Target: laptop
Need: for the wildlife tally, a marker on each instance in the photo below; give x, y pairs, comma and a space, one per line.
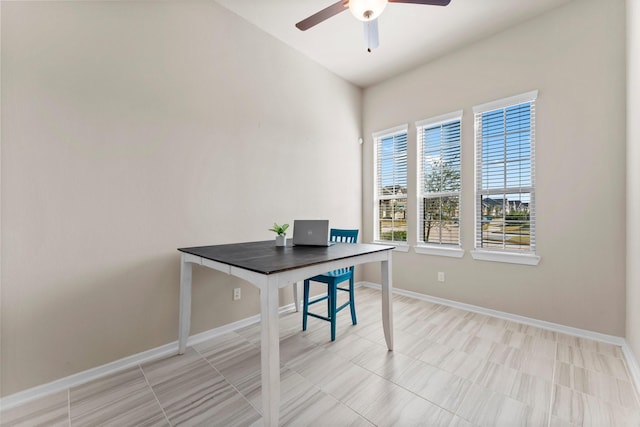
311, 232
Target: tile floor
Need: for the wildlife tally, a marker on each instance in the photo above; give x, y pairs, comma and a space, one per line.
449, 368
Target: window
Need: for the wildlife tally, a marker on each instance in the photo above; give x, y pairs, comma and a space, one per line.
390, 164
439, 182
505, 184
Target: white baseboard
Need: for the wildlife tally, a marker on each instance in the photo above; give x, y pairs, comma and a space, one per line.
583, 333
83, 377
37, 392
632, 362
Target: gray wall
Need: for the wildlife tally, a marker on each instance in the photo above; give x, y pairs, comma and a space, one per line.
575, 57
131, 129
633, 176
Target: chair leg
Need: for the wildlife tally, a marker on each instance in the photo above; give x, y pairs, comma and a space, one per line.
305, 306
332, 314
352, 302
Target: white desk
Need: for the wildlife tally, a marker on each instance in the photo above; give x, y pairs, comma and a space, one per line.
270, 268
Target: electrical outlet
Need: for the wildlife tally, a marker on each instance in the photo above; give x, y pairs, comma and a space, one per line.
440, 276
236, 294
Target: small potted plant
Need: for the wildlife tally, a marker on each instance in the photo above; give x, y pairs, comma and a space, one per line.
281, 231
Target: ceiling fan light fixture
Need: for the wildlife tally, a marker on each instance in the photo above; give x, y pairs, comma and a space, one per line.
367, 10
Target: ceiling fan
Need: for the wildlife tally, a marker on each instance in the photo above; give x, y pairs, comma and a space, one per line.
364, 10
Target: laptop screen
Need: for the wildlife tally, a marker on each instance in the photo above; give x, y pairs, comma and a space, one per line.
311, 232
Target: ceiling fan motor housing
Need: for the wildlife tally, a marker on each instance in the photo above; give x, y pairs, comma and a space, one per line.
367, 10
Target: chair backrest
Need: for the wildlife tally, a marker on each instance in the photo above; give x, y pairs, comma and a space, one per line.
343, 236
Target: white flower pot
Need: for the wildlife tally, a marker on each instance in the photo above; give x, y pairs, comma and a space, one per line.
281, 240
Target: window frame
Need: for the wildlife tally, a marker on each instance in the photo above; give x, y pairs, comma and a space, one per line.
528, 257
401, 245
429, 248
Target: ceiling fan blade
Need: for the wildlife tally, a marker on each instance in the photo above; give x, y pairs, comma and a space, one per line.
428, 2
371, 34
323, 15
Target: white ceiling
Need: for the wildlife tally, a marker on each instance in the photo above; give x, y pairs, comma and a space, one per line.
410, 34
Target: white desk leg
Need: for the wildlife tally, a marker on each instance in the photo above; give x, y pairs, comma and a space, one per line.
387, 304
296, 299
185, 305
270, 347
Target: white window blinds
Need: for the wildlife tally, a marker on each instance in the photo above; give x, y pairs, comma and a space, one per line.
391, 184
505, 172
439, 180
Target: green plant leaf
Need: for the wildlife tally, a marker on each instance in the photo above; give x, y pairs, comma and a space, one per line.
280, 230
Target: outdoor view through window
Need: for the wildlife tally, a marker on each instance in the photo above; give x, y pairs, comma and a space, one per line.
391, 191
504, 168
439, 171
505, 191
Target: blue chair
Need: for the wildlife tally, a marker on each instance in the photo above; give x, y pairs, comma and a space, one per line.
332, 279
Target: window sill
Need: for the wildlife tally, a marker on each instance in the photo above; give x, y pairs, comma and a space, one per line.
399, 246
454, 252
508, 257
